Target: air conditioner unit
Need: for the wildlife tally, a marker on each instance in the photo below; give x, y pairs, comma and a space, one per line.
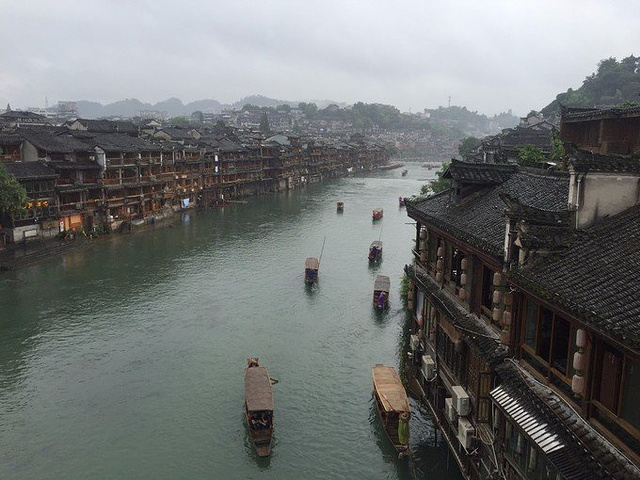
414, 342
449, 411
460, 400
428, 367
152, 178
466, 432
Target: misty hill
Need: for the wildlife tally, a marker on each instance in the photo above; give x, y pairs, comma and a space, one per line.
132, 108
262, 101
615, 83
473, 123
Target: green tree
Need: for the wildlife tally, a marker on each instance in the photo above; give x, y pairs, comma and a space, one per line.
467, 145
439, 184
180, 122
12, 195
530, 156
613, 83
264, 124
557, 149
310, 110
198, 116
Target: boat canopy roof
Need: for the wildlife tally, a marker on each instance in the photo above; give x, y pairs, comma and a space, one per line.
257, 389
312, 263
382, 283
379, 209
376, 243
389, 389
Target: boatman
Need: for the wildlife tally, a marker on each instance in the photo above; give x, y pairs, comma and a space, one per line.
403, 432
382, 299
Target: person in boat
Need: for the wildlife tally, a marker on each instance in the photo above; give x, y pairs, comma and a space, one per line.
374, 252
263, 422
403, 433
382, 297
311, 275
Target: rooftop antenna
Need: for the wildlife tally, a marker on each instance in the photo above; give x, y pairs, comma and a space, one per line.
46, 103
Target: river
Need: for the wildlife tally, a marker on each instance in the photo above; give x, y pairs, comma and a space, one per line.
126, 359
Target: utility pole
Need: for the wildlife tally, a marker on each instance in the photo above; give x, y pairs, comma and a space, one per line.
449, 101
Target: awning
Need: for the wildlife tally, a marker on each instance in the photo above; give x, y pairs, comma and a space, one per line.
527, 419
572, 462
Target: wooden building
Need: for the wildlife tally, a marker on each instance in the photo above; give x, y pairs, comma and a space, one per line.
103, 177
516, 313
607, 131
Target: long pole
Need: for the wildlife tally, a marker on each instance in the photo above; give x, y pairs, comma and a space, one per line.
321, 251
380, 236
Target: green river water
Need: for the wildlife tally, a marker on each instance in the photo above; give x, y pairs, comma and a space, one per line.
126, 359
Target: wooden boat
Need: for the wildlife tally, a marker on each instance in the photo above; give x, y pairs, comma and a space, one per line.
401, 201
375, 251
340, 207
404, 173
258, 404
377, 213
381, 288
311, 266
393, 407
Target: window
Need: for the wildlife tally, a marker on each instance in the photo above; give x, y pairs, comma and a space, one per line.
545, 324
432, 252
487, 288
560, 350
631, 394
617, 395
456, 269
531, 323
548, 343
445, 348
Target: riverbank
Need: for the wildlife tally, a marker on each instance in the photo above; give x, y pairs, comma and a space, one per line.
15, 256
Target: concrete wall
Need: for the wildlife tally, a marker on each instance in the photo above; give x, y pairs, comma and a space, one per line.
29, 152
599, 194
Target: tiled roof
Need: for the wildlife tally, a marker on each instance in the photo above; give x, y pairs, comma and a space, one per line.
485, 174
581, 114
53, 141
595, 279
120, 142
585, 161
29, 170
519, 137
479, 218
477, 334
227, 145
10, 138
17, 114
106, 126
581, 453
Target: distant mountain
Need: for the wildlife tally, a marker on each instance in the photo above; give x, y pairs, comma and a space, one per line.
262, 101
132, 107
205, 106
89, 109
125, 108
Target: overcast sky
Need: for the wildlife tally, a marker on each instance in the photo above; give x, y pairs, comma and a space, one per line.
489, 56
